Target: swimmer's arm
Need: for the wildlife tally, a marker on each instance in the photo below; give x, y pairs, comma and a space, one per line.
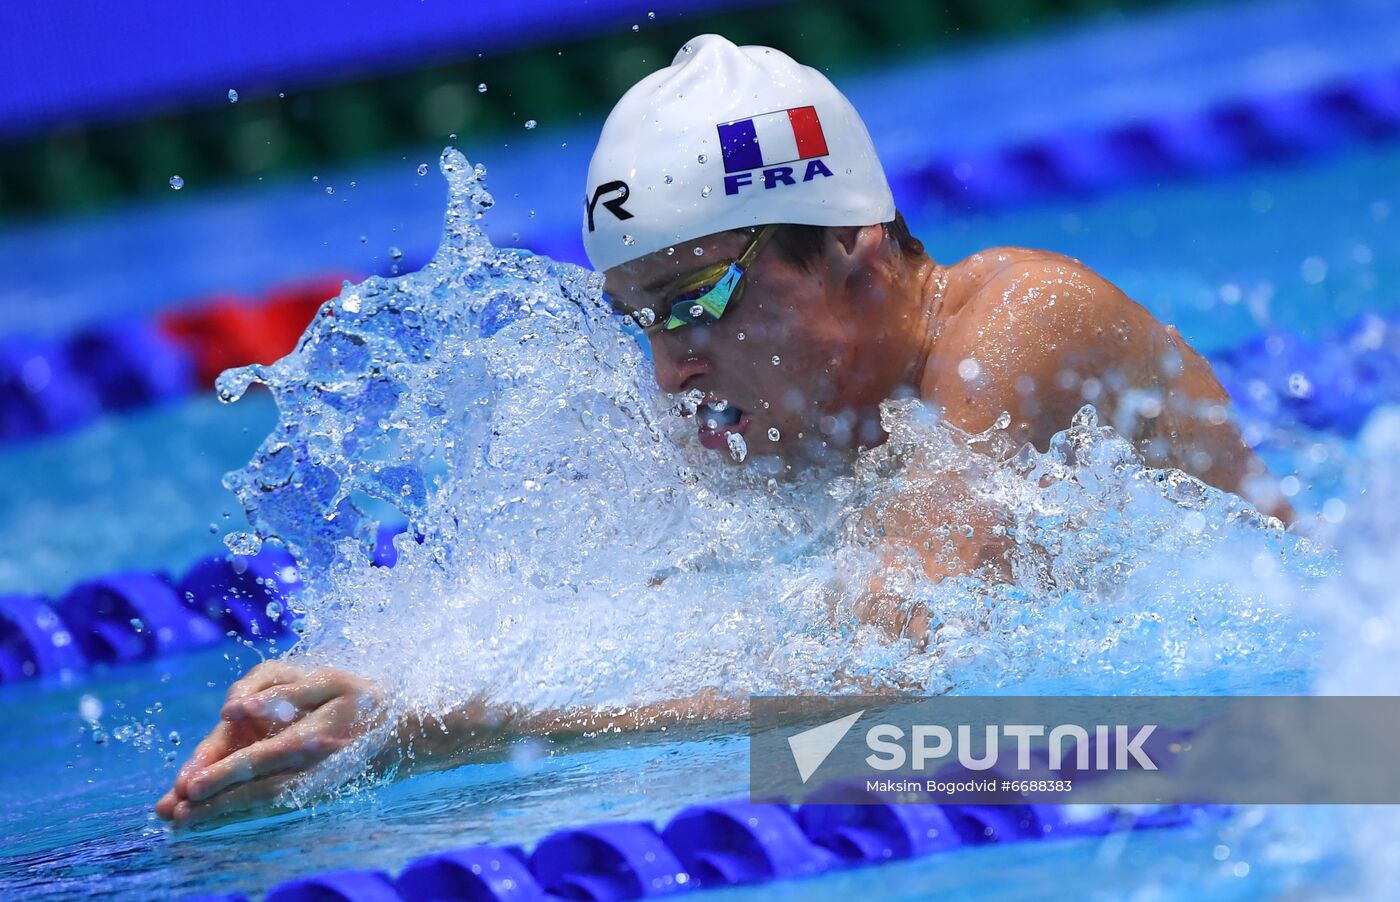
935, 527
431, 743
281, 720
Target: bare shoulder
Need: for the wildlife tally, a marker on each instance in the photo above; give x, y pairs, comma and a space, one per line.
1037, 335
1015, 322
1000, 277
1014, 296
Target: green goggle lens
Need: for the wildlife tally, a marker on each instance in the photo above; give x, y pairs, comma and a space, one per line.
705, 306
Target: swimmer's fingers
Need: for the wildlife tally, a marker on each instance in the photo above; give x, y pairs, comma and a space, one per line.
221, 741
280, 704
233, 731
293, 749
250, 795
268, 673
165, 808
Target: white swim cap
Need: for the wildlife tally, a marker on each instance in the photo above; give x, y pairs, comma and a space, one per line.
727, 137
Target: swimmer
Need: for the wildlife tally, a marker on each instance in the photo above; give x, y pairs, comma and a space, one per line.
743, 222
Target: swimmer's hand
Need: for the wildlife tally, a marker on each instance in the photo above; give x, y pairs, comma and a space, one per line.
281, 719
277, 721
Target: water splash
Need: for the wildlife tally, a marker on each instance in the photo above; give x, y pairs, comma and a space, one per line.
578, 549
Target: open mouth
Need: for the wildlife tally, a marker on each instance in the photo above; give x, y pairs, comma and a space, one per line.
716, 420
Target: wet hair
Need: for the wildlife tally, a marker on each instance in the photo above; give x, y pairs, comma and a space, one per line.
801, 245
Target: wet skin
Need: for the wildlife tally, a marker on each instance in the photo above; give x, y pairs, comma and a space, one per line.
1025, 332
1030, 333
1010, 331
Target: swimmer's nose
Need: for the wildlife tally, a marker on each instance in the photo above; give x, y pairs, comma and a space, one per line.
675, 368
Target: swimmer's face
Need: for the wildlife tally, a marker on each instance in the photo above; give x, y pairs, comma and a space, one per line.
774, 367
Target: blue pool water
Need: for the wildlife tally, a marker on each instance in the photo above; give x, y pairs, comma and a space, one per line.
89, 830
1302, 248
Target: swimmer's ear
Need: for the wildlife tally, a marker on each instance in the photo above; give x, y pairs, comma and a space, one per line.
857, 242
856, 254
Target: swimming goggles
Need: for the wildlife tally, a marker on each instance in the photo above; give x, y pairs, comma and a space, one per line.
705, 295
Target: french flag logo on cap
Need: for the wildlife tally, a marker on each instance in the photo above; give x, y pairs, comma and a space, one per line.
783, 136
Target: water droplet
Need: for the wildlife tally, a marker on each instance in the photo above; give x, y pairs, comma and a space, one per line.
176, 182
670, 252
330, 189
628, 240
174, 737
668, 180
481, 88
696, 311
702, 159
530, 124
774, 434
699, 252
651, 15
740, 336
646, 317
281, 94
232, 96
636, 28
687, 49
395, 253
364, 239
273, 610
738, 448
315, 179
705, 191
777, 360
90, 707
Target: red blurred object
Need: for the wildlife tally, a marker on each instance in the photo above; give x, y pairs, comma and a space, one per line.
229, 331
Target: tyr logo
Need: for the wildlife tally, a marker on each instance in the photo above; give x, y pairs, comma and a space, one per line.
614, 205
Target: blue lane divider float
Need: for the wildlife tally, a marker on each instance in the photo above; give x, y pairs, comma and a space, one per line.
1215, 140
138, 616
35, 642
727, 843
244, 595
479, 872
730, 843
40, 391
1329, 383
130, 364
363, 886
607, 861
54, 385
133, 617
